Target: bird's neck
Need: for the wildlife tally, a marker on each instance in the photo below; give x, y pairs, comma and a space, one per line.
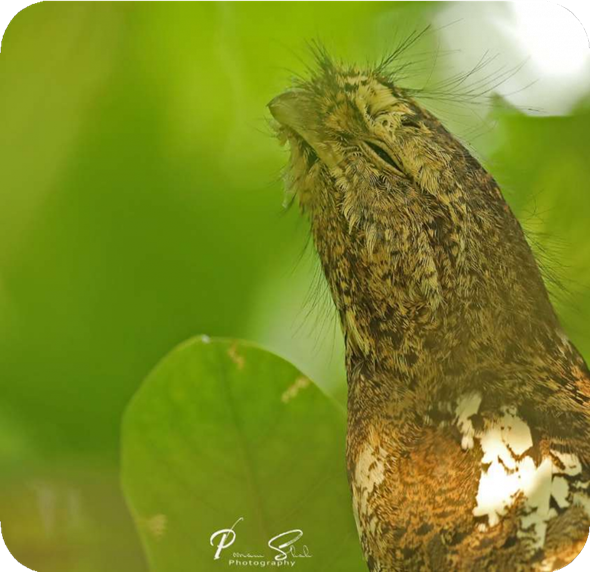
424, 317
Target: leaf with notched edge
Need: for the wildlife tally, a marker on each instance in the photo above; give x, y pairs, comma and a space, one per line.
223, 430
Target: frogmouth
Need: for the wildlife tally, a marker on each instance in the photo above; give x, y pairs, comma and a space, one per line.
468, 433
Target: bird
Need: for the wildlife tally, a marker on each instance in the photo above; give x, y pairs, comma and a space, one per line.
468, 426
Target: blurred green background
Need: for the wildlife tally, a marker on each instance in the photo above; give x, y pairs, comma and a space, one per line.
141, 205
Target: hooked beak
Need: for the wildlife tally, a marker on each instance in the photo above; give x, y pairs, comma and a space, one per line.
291, 110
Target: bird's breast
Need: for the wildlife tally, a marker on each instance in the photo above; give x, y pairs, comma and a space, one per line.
473, 488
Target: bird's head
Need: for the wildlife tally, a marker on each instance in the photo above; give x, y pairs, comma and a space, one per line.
357, 129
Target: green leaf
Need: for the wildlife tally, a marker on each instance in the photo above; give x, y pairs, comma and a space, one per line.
222, 430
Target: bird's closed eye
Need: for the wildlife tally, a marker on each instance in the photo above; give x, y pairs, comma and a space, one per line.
384, 156
409, 121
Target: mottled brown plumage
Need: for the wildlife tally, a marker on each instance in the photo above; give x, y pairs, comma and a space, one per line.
468, 424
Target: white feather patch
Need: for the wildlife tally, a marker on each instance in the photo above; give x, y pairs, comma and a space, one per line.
507, 473
369, 473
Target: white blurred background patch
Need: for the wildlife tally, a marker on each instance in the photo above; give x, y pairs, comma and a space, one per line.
550, 40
